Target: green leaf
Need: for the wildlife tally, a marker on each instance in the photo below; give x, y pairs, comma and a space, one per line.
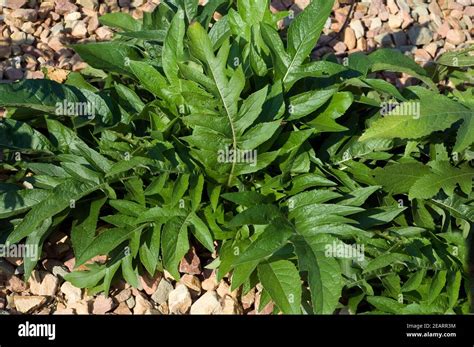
17, 135
247, 199
385, 304
442, 176
259, 214
393, 60
324, 273
36, 239
105, 242
174, 244
173, 46
453, 284
274, 237
108, 56
305, 30
437, 284
304, 104
85, 225
417, 118
201, 231
282, 281
120, 20
399, 178
19, 201
385, 260
414, 281
61, 197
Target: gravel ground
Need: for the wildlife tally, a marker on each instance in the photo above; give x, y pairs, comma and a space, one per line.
34, 34
33, 40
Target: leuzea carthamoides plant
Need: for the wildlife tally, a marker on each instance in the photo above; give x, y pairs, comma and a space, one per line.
319, 180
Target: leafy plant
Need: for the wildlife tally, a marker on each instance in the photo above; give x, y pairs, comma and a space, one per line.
324, 183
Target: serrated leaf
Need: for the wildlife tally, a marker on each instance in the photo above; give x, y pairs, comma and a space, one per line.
442, 176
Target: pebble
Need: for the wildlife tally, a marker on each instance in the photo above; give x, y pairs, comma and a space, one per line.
179, 300
102, 304
142, 305
207, 304
162, 293
350, 38
419, 35
72, 294
25, 304
455, 37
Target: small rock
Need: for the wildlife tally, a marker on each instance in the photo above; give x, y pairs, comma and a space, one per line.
210, 282
340, 47
207, 304
358, 28
43, 283
89, 4
72, 16
130, 302
25, 304
150, 284
28, 28
122, 309
61, 309
400, 38
432, 48
93, 24
350, 38
375, 24
362, 44
6, 268
443, 29
230, 306
26, 15
102, 305
179, 300
123, 295
392, 6
192, 282
80, 307
79, 30
190, 264
72, 294
15, 284
142, 305
422, 56
420, 35
456, 37
18, 37
14, 4
55, 267
395, 21
248, 299
104, 34
64, 6
162, 292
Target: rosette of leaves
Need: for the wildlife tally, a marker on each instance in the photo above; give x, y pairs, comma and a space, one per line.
141, 179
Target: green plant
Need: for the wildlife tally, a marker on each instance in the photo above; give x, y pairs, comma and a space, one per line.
327, 185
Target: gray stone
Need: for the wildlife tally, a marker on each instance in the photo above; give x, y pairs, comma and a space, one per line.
400, 38
420, 35
162, 292
89, 4
6, 268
